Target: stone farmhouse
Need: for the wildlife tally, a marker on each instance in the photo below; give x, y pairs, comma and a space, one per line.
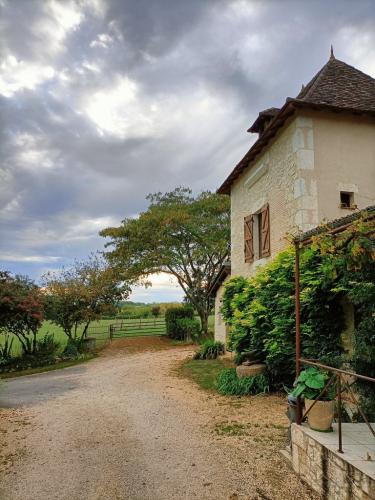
313, 161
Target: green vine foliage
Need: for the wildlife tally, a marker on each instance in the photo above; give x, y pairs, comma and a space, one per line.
350, 255
261, 311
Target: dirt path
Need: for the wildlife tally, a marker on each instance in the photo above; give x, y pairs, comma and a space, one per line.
125, 427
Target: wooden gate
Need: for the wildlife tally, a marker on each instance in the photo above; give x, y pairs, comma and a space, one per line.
137, 328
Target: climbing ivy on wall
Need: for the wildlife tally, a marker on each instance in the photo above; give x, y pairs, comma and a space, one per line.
260, 309
350, 256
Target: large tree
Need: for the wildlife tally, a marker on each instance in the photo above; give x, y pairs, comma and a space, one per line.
83, 293
21, 309
179, 234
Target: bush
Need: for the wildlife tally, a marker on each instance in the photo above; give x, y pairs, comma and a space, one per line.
229, 384
155, 311
72, 349
210, 349
6, 348
25, 361
47, 345
260, 311
45, 354
189, 328
176, 329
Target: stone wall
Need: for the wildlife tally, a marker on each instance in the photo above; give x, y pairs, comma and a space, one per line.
220, 326
325, 471
284, 177
300, 175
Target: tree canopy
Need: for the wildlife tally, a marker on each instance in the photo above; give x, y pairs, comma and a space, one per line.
179, 234
21, 309
81, 294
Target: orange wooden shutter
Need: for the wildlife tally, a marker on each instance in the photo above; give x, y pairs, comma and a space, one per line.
248, 235
265, 233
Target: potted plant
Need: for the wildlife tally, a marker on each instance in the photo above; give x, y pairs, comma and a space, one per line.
309, 385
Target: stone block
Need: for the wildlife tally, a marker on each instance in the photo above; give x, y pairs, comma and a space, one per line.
89, 344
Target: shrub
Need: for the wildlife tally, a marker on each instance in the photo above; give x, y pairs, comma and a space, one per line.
156, 310
47, 345
210, 349
175, 328
229, 384
72, 349
188, 328
6, 348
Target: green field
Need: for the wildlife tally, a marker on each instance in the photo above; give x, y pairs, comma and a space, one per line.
100, 330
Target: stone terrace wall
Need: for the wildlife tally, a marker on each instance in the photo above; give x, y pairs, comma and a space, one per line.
326, 472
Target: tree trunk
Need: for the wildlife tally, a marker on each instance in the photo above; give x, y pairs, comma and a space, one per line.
34, 343
23, 344
203, 315
84, 333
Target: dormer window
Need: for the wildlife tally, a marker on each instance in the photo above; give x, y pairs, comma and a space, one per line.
264, 119
347, 200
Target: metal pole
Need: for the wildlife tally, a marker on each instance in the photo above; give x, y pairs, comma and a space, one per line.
340, 450
336, 370
298, 325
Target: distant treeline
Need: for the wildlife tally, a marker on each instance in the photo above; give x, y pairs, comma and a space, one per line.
134, 310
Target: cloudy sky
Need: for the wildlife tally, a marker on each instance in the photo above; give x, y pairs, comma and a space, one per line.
105, 101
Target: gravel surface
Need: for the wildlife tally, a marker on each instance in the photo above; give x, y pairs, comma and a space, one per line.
126, 426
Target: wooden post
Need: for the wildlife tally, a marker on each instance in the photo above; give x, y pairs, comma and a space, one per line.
298, 324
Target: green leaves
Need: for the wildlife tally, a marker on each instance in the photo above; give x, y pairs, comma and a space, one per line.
178, 234
261, 312
82, 293
311, 383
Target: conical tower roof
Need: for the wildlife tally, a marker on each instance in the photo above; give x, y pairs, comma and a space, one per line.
337, 87
341, 85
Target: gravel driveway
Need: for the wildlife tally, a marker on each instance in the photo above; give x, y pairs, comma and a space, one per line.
125, 426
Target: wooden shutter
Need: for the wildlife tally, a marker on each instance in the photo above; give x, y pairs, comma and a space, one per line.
248, 236
265, 247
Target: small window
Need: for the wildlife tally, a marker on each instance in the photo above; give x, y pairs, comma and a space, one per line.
346, 200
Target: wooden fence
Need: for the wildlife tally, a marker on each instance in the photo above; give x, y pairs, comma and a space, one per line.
127, 328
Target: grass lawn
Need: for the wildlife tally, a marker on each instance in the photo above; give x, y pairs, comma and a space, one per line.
204, 372
98, 329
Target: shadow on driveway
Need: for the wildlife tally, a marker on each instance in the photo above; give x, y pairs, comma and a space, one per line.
33, 389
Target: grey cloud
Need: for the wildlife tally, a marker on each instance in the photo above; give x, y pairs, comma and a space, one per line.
199, 73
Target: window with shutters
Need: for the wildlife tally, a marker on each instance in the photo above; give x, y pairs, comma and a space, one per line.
248, 237
257, 235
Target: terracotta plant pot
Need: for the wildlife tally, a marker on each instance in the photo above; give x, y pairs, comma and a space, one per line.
320, 417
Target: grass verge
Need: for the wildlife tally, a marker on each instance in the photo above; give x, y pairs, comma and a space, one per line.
204, 372
48, 368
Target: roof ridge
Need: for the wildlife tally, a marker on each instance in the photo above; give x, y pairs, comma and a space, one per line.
314, 81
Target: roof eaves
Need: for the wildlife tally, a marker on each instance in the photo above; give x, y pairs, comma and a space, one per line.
223, 273
285, 112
